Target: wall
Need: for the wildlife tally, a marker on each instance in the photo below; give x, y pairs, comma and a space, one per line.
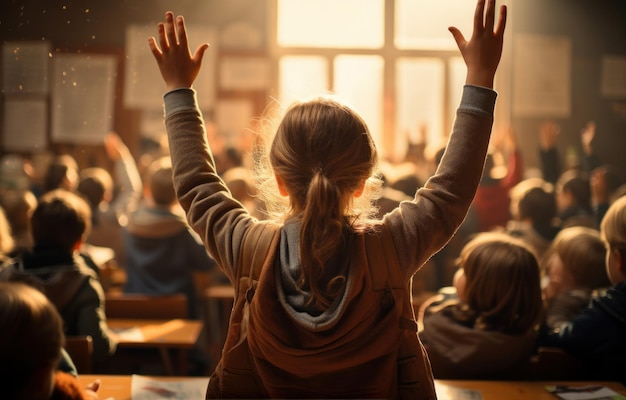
596, 28
91, 26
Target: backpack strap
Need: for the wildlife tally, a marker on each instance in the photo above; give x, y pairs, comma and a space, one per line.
383, 262
388, 276
257, 250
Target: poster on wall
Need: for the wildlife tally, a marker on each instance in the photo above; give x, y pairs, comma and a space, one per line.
25, 67
245, 73
613, 76
24, 125
82, 97
541, 76
233, 119
143, 84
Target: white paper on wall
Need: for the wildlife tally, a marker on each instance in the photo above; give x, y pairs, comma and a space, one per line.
541, 76
25, 124
82, 97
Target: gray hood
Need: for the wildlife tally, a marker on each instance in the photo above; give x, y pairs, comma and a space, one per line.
287, 274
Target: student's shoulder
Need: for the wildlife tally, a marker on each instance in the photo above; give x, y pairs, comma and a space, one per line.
613, 302
8, 268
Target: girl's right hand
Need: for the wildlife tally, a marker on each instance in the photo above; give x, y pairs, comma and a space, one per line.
483, 51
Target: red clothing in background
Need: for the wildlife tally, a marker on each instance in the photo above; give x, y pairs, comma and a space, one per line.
492, 200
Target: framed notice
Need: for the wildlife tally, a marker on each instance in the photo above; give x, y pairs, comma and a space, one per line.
245, 73
82, 97
25, 67
613, 76
25, 124
542, 76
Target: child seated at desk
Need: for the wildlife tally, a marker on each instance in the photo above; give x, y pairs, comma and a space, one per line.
31, 340
161, 250
491, 328
597, 335
59, 226
575, 269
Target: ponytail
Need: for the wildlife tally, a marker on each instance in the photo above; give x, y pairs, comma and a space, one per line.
321, 235
324, 154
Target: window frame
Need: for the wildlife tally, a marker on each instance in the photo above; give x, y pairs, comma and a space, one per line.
390, 55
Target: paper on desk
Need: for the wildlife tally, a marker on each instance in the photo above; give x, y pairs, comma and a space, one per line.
588, 392
144, 388
129, 334
454, 393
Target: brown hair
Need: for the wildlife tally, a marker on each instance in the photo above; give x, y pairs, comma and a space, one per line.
582, 253
577, 183
324, 153
159, 177
31, 337
502, 289
6, 237
61, 172
19, 205
60, 220
94, 184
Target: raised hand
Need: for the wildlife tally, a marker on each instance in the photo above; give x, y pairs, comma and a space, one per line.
178, 67
586, 136
599, 188
114, 146
548, 131
483, 51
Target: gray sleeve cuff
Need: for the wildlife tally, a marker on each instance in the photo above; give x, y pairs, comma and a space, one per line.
177, 100
478, 99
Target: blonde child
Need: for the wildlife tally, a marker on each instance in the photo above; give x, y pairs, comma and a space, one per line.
596, 336
310, 323
491, 328
575, 269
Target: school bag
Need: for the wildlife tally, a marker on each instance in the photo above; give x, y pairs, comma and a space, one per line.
380, 359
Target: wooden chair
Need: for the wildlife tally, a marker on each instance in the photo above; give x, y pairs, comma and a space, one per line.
80, 349
218, 301
139, 306
551, 364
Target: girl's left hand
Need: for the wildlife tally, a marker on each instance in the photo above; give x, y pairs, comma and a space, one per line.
178, 67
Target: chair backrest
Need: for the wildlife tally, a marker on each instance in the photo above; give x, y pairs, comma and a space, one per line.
139, 306
551, 363
80, 349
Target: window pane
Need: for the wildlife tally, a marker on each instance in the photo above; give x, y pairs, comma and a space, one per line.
359, 83
423, 25
330, 23
302, 77
456, 76
419, 88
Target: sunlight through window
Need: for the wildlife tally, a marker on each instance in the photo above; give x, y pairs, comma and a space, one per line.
422, 24
331, 23
359, 83
419, 101
302, 77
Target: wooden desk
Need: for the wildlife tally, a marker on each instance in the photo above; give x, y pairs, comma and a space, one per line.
512, 390
118, 387
178, 334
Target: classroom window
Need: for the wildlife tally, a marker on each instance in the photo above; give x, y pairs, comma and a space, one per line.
330, 23
358, 81
394, 61
423, 24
